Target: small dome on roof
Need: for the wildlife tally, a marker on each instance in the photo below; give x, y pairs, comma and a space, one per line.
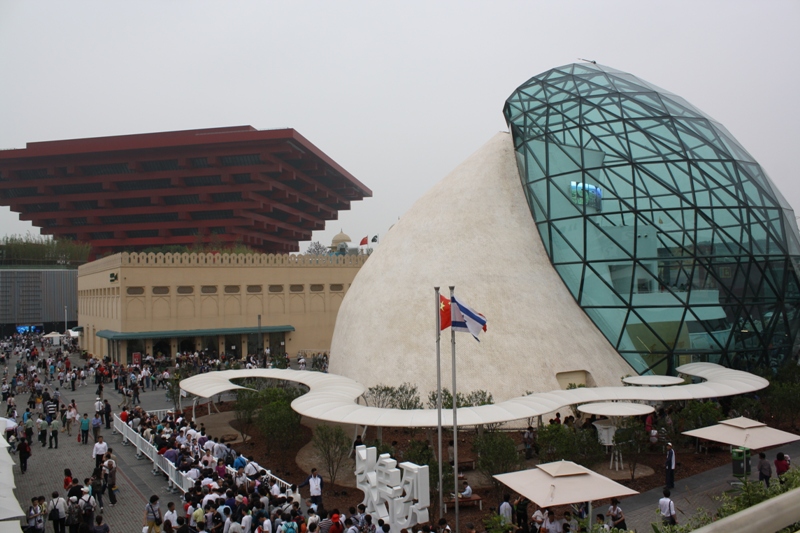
340, 238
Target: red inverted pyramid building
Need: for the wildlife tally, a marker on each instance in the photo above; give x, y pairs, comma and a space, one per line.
266, 189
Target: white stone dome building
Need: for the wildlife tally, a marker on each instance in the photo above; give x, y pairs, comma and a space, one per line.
473, 230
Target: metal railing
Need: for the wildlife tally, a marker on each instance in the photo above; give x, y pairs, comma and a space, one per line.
177, 480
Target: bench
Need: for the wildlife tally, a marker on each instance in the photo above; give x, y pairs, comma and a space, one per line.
462, 502
466, 464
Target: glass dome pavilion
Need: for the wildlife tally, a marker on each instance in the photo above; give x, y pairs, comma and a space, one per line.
668, 234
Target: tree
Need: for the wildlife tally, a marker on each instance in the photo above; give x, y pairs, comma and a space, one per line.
173, 385
421, 453
783, 402
497, 454
631, 440
380, 396
494, 523
694, 415
471, 399
557, 441
333, 447
277, 421
317, 248
245, 409
407, 397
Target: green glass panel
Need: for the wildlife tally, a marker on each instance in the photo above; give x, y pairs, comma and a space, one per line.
652, 204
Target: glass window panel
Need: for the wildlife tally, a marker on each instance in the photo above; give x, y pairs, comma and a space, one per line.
563, 250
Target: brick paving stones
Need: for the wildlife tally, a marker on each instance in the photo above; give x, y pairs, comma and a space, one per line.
136, 483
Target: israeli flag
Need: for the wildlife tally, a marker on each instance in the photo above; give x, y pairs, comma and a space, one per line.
466, 320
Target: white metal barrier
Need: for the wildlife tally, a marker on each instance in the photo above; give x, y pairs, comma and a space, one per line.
176, 479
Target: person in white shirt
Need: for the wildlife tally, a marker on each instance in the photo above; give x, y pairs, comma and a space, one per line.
538, 518
505, 510
601, 522
99, 451
551, 524
667, 509
274, 488
171, 514
247, 523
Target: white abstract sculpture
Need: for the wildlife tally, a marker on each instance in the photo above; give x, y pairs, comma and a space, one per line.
398, 496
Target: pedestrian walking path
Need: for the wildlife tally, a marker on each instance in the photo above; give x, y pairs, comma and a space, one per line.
136, 483
692, 493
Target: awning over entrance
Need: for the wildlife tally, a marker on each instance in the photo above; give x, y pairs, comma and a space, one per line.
130, 335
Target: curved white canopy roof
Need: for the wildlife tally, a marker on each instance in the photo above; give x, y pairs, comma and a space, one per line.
654, 381
615, 409
334, 398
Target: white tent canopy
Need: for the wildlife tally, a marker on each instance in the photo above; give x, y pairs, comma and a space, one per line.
52, 335
653, 381
745, 433
10, 527
335, 398
562, 483
615, 409
9, 506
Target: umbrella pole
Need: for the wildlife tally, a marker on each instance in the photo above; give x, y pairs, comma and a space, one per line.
590, 517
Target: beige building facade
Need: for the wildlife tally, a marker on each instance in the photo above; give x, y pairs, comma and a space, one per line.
139, 303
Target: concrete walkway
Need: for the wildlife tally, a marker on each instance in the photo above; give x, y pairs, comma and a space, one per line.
136, 483
691, 494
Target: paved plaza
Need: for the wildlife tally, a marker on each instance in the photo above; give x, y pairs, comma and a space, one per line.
134, 479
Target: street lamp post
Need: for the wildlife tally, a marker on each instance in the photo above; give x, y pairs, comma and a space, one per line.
260, 354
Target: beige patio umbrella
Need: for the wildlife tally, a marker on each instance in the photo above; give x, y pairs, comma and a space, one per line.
745, 433
563, 483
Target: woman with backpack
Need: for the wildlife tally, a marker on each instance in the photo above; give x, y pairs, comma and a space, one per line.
57, 513
74, 514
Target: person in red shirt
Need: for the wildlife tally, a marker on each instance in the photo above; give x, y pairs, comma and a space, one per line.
781, 465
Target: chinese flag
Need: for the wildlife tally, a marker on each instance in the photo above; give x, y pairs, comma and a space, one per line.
445, 316
364, 241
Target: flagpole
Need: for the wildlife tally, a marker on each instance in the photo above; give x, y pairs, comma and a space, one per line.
439, 397
455, 413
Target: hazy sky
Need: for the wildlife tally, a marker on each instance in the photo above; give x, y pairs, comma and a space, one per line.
398, 93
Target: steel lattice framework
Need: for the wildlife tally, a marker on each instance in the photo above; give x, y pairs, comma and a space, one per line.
266, 189
667, 232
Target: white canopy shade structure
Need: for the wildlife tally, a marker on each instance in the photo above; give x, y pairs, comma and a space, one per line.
53, 335
653, 381
10, 423
10, 527
9, 506
615, 409
562, 483
745, 433
335, 398
7, 473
